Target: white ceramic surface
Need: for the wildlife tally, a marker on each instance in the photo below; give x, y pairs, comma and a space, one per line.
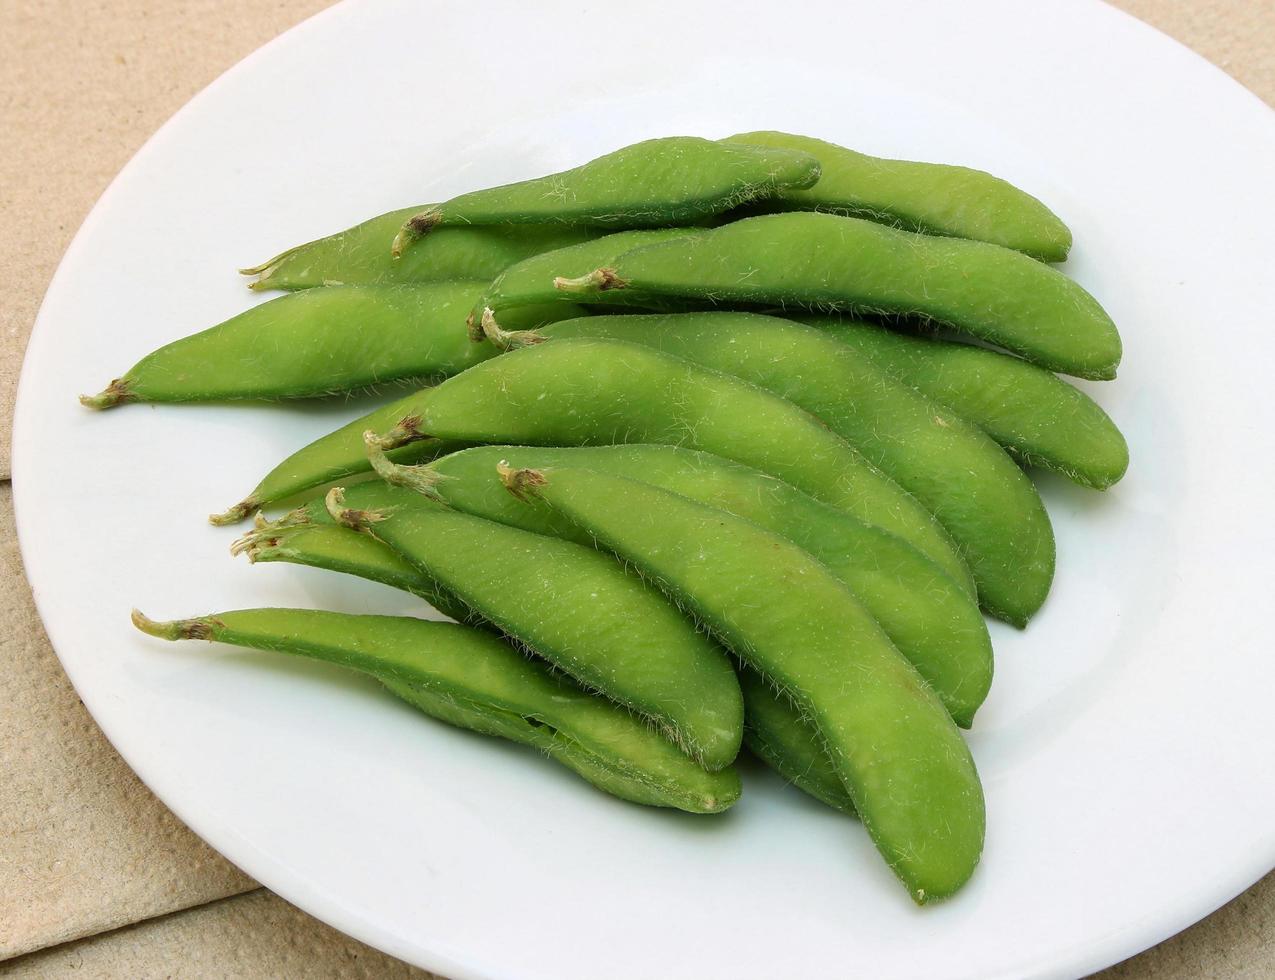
1127, 747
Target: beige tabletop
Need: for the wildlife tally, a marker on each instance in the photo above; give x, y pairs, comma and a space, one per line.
97, 878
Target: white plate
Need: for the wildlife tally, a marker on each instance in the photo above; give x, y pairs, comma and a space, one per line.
1127, 748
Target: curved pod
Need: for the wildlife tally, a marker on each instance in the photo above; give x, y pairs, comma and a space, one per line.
896, 750
470, 679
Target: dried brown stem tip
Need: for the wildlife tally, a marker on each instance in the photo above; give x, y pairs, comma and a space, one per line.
414, 228
597, 281
508, 339
419, 478
358, 520
265, 532
177, 629
407, 430
474, 328
116, 393
521, 483
236, 513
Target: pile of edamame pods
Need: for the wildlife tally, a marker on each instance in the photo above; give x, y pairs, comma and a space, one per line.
701, 459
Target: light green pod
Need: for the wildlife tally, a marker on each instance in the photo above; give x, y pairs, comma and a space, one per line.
775, 732
987, 504
1038, 417
675, 180
575, 607
897, 751
934, 198
773, 729
927, 614
310, 536
924, 613
360, 256
824, 262
530, 283
581, 391
470, 679
319, 342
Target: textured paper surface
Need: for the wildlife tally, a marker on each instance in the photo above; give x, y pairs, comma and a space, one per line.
257, 935
84, 847
83, 84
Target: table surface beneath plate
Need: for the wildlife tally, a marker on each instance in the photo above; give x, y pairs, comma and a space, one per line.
96, 875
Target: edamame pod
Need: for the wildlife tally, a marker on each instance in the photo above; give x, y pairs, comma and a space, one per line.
318, 342
469, 678
826, 262
928, 616
933, 198
581, 391
1038, 417
898, 753
675, 180
575, 607
309, 535
777, 734
531, 281
359, 256
987, 504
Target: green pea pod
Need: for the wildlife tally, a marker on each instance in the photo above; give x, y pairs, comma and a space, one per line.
359, 256
470, 679
775, 732
531, 281
898, 753
987, 504
309, 535
1038, 417
576, 608
934, 198
773, 729
582, 391
926, 613
826, 262
318, 342
676, 180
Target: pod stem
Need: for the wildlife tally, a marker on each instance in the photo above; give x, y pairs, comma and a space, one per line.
597, 281
508, 339
407, 430
268, 265
358, 520
118, 392
414, 229
267, 533
522, 483
236, 513
177, 629
422, 479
